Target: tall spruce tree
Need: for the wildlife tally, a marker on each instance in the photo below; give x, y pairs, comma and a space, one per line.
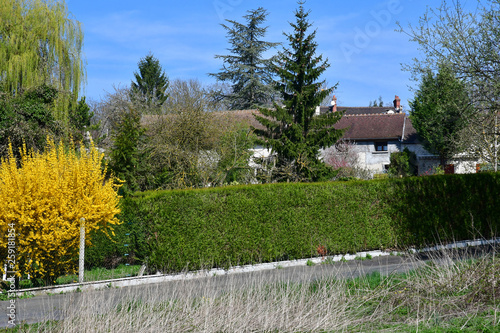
151, 83
246, 69
293, 131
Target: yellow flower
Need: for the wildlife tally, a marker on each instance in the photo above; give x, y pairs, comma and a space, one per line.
43, 199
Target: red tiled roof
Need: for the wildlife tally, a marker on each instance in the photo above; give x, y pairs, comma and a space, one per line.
375, 126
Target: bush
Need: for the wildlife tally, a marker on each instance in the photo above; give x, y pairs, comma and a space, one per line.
403, 164
191, 229
248, 224
43, 197
126, 246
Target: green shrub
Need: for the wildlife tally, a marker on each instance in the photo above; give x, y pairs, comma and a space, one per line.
403, 164
218, 227
128, 245
429, 210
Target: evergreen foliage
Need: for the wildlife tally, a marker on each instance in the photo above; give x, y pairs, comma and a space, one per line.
468, 42
124, 156
440, 111
188, 146
27, 119
80, 115
245, 68
403, 164
218, 227
151, 83
39, 46
380, 102
293, 131
185, 146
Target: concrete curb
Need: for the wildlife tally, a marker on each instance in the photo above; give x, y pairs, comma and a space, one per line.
158, 278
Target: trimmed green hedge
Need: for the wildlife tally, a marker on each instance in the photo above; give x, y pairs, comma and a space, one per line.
444, 208
190, 229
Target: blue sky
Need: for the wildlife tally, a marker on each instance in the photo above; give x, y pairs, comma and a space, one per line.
358, 37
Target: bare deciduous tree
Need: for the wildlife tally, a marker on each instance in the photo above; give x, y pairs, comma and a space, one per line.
344, 158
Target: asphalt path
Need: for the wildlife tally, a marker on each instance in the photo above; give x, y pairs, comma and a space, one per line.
56, 307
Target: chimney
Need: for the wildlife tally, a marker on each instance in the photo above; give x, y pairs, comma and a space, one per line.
397, 104
334, 103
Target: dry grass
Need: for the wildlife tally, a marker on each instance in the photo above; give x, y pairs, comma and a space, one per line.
444, 295
451, 291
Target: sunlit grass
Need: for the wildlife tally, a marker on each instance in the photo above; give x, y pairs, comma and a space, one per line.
94, 274
445, 295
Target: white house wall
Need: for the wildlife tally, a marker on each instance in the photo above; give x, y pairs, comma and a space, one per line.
376, 161
373, 160
258, 153
427, 162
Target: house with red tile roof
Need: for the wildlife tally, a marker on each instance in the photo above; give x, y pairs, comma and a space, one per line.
376, 133
380, 131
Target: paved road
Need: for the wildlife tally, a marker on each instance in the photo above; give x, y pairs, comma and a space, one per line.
42, 308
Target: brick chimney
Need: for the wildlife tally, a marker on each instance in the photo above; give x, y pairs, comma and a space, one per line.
397, 104
334, 103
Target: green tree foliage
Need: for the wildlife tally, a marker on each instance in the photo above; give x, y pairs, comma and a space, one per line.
245, 68
124, 156
291, 220
151, 83
27, 118
80, 115
40, 45
186, 146
468, 41
403, 164
293, 132
233, 151
440, 111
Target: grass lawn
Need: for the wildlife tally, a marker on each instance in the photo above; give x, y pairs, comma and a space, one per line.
95, 274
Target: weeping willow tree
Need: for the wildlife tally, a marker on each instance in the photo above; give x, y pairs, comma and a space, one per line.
41, 45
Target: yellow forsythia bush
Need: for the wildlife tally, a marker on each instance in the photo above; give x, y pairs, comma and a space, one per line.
43, 196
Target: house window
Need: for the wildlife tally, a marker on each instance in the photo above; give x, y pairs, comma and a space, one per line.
381, 146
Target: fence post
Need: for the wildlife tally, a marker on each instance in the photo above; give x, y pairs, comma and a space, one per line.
82, 250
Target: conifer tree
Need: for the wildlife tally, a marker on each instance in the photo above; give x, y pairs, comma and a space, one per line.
124, 155
440, 111
151, 83
293, 132
245, 68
